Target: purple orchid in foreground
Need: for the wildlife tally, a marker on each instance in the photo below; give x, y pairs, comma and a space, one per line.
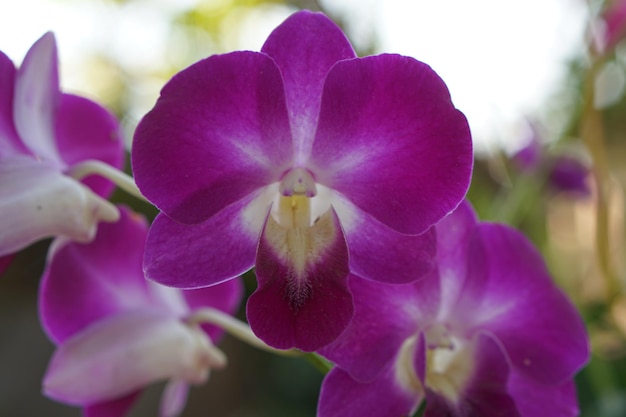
306, 162
118, 332
43, 135
488, 334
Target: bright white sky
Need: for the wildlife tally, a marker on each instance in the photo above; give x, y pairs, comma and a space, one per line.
501, 59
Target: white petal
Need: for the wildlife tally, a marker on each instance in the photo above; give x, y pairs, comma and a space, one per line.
37, 201
36, 98
123, 354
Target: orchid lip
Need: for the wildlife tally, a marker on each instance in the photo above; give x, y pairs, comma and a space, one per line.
449, 363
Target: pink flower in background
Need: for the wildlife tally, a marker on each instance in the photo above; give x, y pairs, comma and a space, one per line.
116, 332
613, 27
563, 172
306, 162
43, 135
488, 334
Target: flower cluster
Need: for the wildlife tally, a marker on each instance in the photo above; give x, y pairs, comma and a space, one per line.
486, 334
340, 180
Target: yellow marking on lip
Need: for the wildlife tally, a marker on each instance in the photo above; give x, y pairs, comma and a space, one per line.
295, 241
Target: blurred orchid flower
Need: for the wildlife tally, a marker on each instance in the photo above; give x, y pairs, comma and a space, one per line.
612, 26
44, 134
487, 335
563, 172
116, 332
305, 162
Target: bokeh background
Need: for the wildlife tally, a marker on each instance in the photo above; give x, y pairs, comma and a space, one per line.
544, 98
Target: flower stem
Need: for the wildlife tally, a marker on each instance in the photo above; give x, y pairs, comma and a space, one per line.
121, 179
592, 132
236, 328
319, 363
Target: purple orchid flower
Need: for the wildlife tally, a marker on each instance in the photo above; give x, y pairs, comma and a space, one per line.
488, 334
305, 162
118, 332
43, 135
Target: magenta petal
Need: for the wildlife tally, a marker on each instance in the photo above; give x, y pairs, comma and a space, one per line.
538, 400
540, 329
113, 408
460, 260
37, 96
85, 130
615, 19
305, 47
485, 394
9, 140
218, 132
380, 253
384, 317
303, 306
5, 261
85, 283
570, 175
199, 255
341, 396
391, 141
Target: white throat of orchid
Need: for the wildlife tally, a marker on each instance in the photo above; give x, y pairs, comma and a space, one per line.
449, 363
300, 226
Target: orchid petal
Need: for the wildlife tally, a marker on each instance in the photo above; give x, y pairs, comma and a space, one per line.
36, 98
342, 396
615, 20
9, 140
523, 308
540, 400
86, 283
199, 255
223, 125
460, 260
570, 175
122, 354
37, 201
85, 130
381, 254
390, 140
174, 398
384, 317
5, 262
303, 299
485, 394
114, 408
305, 46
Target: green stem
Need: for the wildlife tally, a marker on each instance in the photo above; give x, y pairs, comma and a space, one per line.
319, 362
236, 328
592, 132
